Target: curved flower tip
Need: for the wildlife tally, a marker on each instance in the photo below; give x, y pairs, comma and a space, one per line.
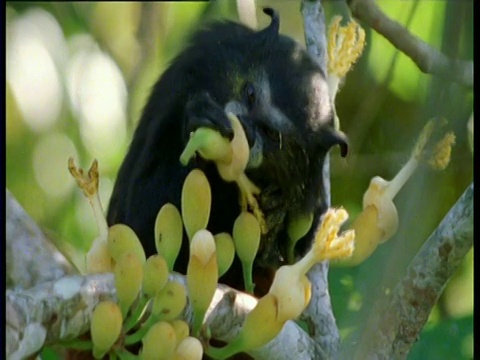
442, 152
435, 154
87, 182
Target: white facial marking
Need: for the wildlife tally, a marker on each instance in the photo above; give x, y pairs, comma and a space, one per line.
320, 105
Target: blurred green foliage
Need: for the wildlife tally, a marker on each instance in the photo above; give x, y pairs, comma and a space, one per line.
383, 105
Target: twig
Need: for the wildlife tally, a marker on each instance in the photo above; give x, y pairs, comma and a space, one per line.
364, 118
247, 13
398, 324
428, 59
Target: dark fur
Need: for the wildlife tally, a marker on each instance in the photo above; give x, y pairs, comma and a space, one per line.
193, 92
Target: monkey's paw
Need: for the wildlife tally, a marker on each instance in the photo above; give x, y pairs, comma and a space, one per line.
202, 111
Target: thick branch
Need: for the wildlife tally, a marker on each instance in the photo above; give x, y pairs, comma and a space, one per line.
52, 311
399, 323
60, 310
428, 59
31, 258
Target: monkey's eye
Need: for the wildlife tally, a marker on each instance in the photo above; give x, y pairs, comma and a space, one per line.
250, 94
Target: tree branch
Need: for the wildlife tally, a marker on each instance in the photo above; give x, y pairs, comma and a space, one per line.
60, 310
52, 311
428, 59
319, 314
315, 31
397, 326
31, 258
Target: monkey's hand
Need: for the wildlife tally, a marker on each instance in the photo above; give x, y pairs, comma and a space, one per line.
202, 111
231, 158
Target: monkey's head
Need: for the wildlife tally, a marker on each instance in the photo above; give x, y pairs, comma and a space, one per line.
280, 94
281, 97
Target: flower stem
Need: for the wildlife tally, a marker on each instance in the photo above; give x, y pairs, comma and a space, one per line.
78, 344
99, 215
247, 268
137, 336
132, 320
125, 354
401, 178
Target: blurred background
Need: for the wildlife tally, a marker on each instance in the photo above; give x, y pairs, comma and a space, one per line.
78, 75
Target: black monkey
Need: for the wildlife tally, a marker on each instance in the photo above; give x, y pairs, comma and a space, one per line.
281, 97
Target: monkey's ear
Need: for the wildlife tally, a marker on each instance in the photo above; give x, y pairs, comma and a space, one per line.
332, 137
